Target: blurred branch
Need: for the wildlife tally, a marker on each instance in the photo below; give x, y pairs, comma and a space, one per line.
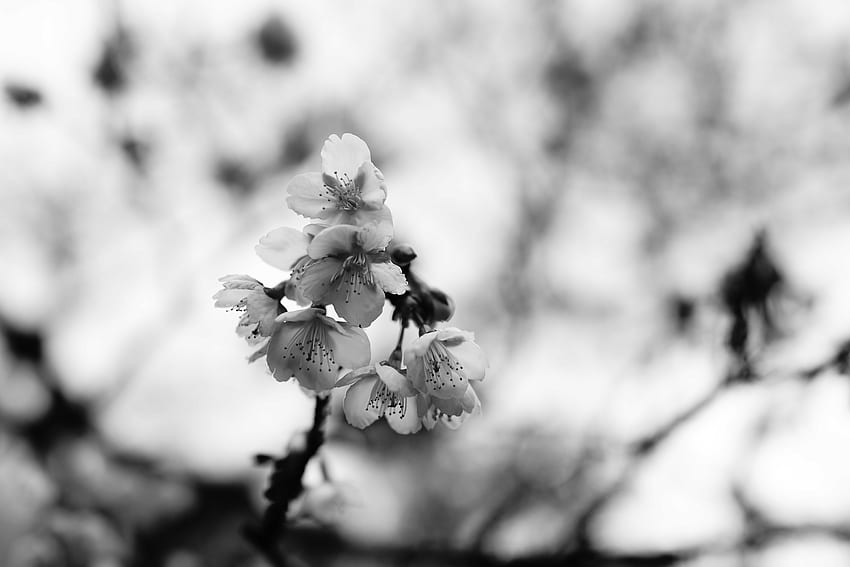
746, 292
285, 485
761, 531
644, 447
318, 547
640, 452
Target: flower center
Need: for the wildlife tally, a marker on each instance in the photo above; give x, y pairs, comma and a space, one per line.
311, 345
386, 402
442, 369
345, 192
353, 275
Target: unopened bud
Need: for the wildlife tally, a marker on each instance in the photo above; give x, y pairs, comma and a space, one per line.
444, 306
402, 254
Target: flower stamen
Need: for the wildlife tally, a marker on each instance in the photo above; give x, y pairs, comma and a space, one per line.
353, 275
344, 194
313, 347
384, 401
442, 369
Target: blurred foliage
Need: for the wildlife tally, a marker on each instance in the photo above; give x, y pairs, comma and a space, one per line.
640, 204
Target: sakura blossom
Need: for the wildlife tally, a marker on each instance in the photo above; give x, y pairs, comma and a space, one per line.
442, 363
351, 270
314, 348
348, 190
247, 295
344, 260
381, 391
285, 248
451, 412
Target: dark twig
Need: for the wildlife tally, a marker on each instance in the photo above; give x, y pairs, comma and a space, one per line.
319, 547
285, 485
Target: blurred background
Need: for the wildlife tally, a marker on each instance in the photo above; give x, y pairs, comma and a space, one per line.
640, 208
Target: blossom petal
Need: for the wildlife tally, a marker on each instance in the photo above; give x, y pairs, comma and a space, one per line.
248, 329
344, 155
338, 326
299, 315
420, 345
259, 353
356, 407
282, 355
356, 303
373, 189
308, 196
264, 310
402, 416
448, 383
461, 407
449, 406
395, 380
227, 298
415, 370
435, 415
471, 357
445, 376
282, 247
312, 229
363, 217
315, 353
355, 375
239, 281
293, 293
315, 280
374, 237
452, 422
351, 347
389, 277
288, 356
333, 241
453, 335
470, 402
429, 420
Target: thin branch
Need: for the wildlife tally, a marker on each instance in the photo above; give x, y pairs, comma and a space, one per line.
285, 485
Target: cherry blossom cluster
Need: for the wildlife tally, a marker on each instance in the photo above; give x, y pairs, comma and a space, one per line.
343, 269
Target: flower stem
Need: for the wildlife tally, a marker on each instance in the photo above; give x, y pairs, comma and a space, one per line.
394, 359
401, 334
285, 485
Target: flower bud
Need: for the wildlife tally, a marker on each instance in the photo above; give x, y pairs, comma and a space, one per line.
402, 254
444, 306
